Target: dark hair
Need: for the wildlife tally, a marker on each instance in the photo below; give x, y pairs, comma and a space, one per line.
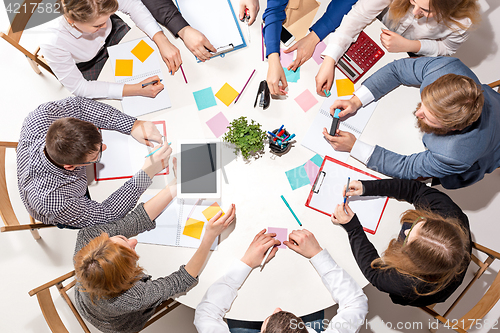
285, 322
70, 140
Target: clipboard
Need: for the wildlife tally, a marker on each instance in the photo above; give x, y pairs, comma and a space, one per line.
326, 193
124, 155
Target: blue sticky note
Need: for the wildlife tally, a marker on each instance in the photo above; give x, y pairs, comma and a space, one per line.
292, 76
297, 177
317, 159
204, 98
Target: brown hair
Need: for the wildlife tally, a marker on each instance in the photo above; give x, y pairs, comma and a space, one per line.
436, 256
88, 10
106, 269
285, 322
455, 100
70, 140
447, 12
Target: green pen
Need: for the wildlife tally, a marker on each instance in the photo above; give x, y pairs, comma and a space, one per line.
291, 211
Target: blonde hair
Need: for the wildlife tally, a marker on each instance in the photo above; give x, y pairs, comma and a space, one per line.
447, 12
455, 100
88, 10
106, 269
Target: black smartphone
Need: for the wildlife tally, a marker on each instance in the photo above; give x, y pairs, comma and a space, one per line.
286, 37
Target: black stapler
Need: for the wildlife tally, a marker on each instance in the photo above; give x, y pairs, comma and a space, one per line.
265, 95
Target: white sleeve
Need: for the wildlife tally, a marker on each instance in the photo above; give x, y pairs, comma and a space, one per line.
209, 314
362, 151
353, 304
140, 15
365, 95
362, 14
446, 46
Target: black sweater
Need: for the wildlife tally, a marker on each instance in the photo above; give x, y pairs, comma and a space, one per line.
399, 286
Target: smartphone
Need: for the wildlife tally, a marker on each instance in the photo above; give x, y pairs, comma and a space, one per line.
286, 37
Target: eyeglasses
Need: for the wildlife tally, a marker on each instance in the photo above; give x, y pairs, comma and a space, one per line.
98, 156
411, 228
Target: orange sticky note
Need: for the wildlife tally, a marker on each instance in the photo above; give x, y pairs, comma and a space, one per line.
193, 228
345, 87
124, 67
226, 94
142, 51
212, 210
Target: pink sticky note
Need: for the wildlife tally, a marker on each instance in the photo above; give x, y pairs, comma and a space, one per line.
218, 124
312, 170
320, 47
281, 235
306, 100
286, 58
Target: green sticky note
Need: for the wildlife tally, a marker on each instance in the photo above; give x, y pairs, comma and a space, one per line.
204, 98
297, 177
292, 76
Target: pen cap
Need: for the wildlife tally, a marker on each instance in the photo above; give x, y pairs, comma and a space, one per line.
279, 149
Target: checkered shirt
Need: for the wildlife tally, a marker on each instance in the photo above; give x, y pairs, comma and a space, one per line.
54, 195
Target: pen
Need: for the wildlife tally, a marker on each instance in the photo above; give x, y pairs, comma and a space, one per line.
183, 74
149, 83
291, 211
265, 258
289, 138
154, 151
347, 189
241, 92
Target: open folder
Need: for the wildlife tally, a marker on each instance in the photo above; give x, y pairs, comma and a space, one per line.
326, 193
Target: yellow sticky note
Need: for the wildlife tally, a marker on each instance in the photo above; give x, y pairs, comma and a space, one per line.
345, 87
193, 228
226, 94
212, 210
142, 51
124, 67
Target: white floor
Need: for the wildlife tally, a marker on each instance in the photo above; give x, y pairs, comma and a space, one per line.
26, 263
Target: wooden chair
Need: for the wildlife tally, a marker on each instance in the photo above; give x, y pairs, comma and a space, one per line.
53, 319
495, 84
15, 32
6, 211
485, 304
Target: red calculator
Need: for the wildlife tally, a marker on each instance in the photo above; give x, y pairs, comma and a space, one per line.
360, 57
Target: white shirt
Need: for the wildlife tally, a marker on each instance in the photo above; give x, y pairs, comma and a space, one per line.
66, 46
436, 38
353, 304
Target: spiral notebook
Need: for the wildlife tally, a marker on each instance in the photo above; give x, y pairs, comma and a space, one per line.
134, 62
355, 124
182, 223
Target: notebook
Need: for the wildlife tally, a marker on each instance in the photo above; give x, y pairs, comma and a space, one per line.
182, 223
215, 19
124, 156
355, 124
326, 193
135, 58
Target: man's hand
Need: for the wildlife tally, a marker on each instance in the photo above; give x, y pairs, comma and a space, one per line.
305, 49
253, 8
394, 42
146, 133
258, 248
325, 76
343, 141
197, 43
158, 161
275, 75
303, 242
169, 53
218, 224
347, 106
340, 216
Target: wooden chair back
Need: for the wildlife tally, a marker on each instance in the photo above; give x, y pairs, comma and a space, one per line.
9, 218
52, 317
483, 306
495, 84
16, 30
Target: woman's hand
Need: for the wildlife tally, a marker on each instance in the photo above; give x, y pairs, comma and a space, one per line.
150, 90
394, 42
355, 188
325, 76
253, 9
341, 216
275, 75
305, 49
218, 224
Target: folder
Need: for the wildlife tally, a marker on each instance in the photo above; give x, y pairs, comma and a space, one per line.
299, 16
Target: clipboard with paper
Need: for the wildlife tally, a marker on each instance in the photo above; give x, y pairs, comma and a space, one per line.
326, 193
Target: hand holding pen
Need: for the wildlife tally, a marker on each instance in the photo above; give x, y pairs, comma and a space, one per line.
355, 187
262, 243
149, 87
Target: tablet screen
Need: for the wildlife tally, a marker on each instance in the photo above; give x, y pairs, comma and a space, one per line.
198, 168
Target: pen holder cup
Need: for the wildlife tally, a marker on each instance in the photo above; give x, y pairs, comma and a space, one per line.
279, 149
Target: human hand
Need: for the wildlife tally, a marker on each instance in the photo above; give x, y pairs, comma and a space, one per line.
355, 188
275, 75
394, 42
253, 8
346, 105
197, 43
158, 161
303, 242
169, 53
342, 214
258, 248
342, 141
146, 133
172, 186
305, 49
325, 76
150, 90
218, 224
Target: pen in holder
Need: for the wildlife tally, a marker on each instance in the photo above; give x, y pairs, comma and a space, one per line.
278, 147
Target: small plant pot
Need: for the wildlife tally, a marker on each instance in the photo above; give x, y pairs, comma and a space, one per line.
276, 148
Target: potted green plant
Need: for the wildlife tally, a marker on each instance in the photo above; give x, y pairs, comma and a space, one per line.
247, 137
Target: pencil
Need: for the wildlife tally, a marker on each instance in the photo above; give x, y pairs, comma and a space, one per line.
244, 87
265, 258
291, 211
183, 74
